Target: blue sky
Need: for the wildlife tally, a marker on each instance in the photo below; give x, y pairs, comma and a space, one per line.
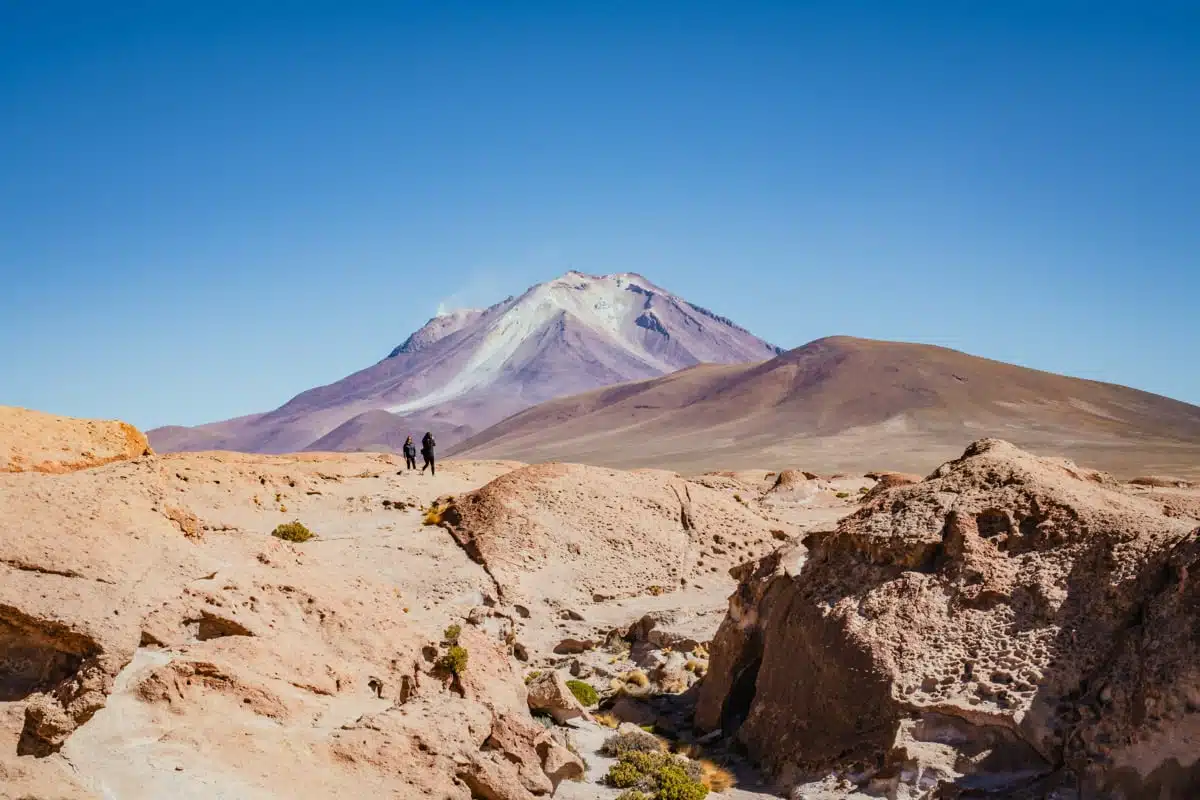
206, 208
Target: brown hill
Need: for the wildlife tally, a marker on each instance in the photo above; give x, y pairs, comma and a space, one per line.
843, 403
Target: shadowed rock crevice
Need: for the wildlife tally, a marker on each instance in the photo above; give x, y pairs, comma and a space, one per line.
37, 655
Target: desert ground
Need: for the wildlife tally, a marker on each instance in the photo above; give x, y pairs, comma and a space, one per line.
1009, 626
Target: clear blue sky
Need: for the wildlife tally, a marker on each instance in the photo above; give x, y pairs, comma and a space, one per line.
208, 207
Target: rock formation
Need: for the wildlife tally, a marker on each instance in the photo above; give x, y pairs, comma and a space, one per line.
156, 641
31, 441
568, 534
1009, 624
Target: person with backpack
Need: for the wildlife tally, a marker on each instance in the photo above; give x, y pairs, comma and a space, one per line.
410, 454
427, 445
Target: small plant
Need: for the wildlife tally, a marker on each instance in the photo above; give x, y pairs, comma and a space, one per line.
278, 497
433, 515
583, 692
282, 508
842, 495
674, 783
656, 590
292, 532
863, 490
619, 744
633, 794
544, 719
533, 676
454, 661
452, 633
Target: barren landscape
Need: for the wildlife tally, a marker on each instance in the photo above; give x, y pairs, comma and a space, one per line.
769, 632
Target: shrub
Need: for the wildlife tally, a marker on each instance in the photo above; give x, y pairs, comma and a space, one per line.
583, 692
292, 532
633, 794
619, 744
668, 777
452, 633
674, 783
533, 676
455, 660
623, 775
842, 495
433, 515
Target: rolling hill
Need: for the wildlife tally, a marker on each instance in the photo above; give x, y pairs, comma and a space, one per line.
842, 403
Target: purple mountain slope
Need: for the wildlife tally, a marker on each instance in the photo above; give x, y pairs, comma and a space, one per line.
468, 369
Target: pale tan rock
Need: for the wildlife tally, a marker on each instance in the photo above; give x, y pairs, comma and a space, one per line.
549, 692
1012, 604
143, 658
31, 441
566, 534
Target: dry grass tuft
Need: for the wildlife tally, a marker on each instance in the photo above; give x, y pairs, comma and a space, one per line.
606, 719
716, 777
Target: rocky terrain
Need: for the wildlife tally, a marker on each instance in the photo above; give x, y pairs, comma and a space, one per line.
1009, 624
851, 405
467, 369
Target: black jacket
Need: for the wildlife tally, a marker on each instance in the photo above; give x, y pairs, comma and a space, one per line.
410, 450
427, 444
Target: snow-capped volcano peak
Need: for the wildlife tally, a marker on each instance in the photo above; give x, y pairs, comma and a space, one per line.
639, 328
467, 368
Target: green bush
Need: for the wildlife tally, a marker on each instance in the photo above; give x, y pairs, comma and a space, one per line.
583, 692
452, 633
674, 783
843, 495
633, 794
624, 775
292, 532
665, 776
455, 660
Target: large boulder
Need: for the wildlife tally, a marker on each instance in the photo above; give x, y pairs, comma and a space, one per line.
1009, 621
568, 534
31, 441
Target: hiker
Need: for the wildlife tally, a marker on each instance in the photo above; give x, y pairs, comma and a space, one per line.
410, 454
427, 445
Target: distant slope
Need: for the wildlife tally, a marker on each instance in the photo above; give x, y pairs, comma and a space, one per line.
845, 403
467, 369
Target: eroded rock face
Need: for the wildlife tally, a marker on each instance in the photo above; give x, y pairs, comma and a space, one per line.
1010, 619
31, 441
